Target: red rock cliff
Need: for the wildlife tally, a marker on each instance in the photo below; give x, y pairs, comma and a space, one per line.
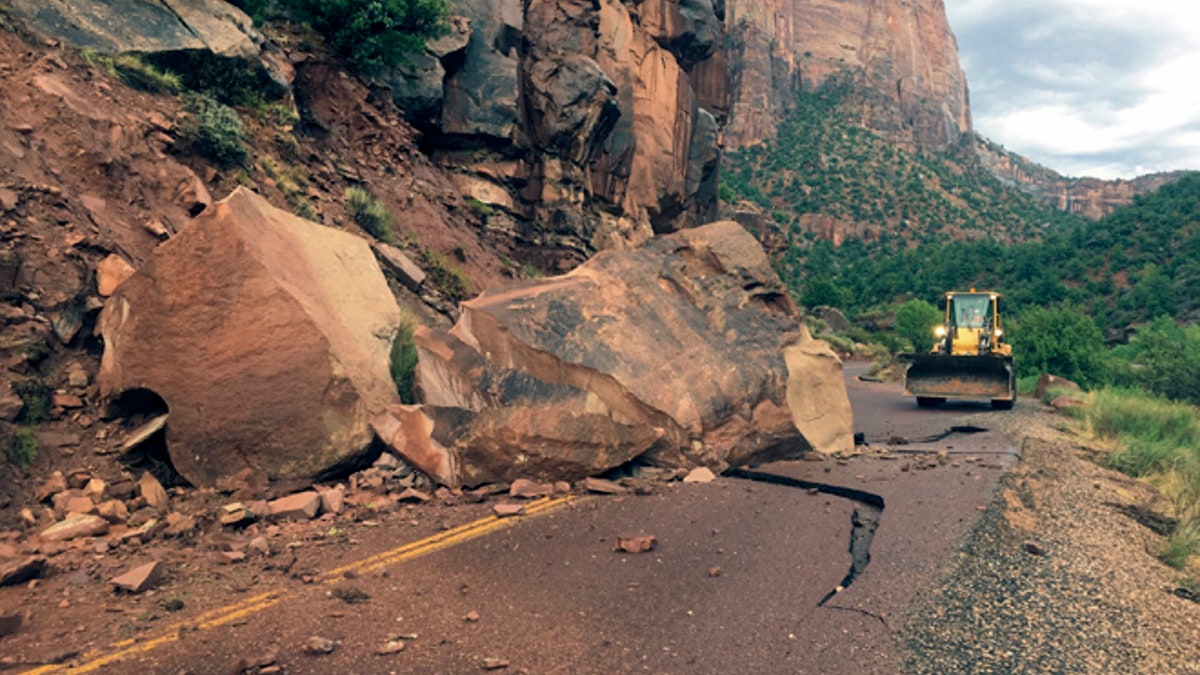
916, 91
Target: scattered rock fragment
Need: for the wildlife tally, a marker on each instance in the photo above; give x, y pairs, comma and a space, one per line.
1034, 548
714, 571
700, 474
139, 579
19, 571
471, 617
236, 514
390, 647
75, 526
179, 525
413, 495
602, 486
635, 543
53, 485
110, 273
507, 509
333, 501
493, 663
154, 494
298, 507
317, 645
144, 433
523, 488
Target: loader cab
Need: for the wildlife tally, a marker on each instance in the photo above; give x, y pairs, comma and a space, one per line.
971, 326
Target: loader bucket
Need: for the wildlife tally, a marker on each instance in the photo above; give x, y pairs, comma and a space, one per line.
971, 378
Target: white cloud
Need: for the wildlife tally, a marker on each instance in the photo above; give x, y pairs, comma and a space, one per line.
1109, 88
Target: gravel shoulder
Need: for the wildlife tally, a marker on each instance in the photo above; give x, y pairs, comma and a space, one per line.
1058, 576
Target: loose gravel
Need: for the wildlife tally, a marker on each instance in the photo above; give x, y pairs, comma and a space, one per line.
1056, 577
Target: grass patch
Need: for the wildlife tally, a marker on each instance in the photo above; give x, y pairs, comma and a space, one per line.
1182, 544
22, 448
291, 181
1159, 440
404, 358
1153, 434
214, 131
479, 208
447, 276
136, 72
370, 214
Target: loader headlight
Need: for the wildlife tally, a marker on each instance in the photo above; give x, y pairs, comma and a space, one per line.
999, 332
940, 331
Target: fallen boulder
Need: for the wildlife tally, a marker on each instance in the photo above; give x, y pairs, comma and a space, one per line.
685, 352
267, 336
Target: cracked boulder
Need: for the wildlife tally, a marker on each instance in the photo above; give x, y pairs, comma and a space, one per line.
267, 336
685, 352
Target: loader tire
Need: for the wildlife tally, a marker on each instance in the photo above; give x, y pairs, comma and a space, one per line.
1003, 404
929, 401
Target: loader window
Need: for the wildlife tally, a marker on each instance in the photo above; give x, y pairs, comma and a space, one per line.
971, 311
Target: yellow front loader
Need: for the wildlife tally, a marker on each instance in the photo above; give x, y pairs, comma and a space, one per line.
970, 360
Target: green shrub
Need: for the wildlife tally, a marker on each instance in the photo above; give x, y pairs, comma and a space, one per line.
1062, 341
374, 33
35, 394
228, 80
214, 131
915, 320
370, 214
22, 448
404, 362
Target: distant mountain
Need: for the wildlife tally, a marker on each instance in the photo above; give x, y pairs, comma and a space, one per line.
909, 91
1090, 198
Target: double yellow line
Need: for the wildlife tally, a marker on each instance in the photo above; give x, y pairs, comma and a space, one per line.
224, 615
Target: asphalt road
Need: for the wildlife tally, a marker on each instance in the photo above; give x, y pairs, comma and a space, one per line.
733, 586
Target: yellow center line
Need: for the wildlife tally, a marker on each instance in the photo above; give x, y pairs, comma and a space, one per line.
244, 608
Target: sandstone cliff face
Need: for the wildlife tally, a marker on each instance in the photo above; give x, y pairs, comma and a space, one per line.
915, 90
1091, 198
580, 126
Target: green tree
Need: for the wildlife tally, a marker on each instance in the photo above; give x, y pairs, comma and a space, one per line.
1168, 359
374, 33
1059, 340
915, 320
821, 290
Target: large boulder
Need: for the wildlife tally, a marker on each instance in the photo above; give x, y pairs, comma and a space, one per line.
267, 336
159, 28
685, 352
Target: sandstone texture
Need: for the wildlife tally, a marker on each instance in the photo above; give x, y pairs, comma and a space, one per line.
682, 353
580, 127
903, 52
267, 337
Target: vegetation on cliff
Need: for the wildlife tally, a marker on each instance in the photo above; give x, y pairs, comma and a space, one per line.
375, 34
824, 162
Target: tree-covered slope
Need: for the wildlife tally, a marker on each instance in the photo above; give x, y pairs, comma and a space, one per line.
826, 172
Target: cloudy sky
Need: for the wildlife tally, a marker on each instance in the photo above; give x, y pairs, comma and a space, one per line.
1104, 88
